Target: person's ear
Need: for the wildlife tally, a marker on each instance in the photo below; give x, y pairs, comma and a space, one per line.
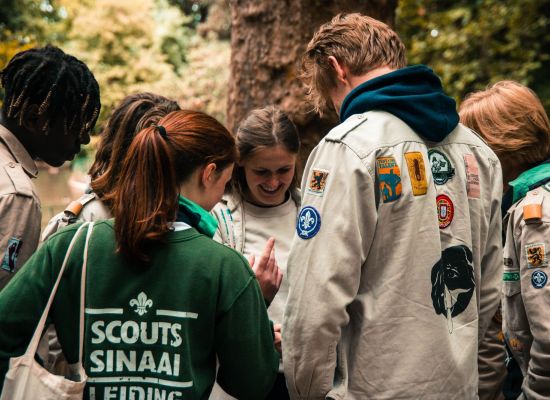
339, 69
208, 175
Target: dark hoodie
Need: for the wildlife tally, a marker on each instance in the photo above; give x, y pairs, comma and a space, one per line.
413, 94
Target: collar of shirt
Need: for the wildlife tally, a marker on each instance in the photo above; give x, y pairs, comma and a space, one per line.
19, 153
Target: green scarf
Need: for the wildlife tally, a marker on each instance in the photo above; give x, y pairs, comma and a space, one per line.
196, 216
529, 179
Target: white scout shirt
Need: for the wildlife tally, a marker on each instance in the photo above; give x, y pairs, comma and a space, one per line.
526, 299
394, 271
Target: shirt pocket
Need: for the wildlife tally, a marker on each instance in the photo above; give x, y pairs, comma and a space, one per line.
512, 303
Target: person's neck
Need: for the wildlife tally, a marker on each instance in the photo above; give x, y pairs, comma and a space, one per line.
17, 131
356, 80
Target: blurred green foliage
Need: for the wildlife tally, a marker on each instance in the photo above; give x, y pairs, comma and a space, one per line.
471, 44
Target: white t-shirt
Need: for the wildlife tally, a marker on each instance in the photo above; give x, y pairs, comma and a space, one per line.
261, 223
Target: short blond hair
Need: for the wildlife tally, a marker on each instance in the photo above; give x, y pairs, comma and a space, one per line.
359, 42
512, 120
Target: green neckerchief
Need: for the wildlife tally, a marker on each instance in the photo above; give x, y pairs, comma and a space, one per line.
528, 180
196, 216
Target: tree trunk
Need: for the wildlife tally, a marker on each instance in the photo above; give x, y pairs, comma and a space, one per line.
268, 38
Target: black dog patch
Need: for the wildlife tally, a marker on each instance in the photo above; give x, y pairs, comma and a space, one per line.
453, 282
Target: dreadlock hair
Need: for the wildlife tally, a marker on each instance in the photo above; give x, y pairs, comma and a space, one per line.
61, 85
134, 113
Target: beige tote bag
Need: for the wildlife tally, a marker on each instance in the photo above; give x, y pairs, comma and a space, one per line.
26, 379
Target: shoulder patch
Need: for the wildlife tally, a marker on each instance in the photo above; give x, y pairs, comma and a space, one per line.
445, 210
535, 253
442, 169
389, 176
417, 173
309, 222
317, 182
9, 262
473, 188
539, 279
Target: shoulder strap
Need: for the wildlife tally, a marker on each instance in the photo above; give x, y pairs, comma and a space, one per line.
33, 345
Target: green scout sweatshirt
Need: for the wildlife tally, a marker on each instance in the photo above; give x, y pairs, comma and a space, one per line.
152, 332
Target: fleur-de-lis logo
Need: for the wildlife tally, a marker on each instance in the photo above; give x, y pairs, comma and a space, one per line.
307, 220
141, 303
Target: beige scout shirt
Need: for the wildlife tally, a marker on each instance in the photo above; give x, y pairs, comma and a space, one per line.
526, 292
20, 214
394, 278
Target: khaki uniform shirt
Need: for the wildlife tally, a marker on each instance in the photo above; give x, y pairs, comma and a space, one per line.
394, 271
526, 292
20, 214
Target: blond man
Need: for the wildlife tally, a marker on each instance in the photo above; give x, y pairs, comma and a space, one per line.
512, 120
394, 270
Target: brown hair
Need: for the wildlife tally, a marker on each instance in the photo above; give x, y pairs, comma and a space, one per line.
263, 128
359, 42
160, 158
512, 120
134, 113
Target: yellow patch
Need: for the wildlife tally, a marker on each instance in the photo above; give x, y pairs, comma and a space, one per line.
417, 173
515, 344
536, 255
317, 182
389, 177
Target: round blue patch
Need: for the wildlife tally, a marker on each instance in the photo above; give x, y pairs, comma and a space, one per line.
539, 279
309, 222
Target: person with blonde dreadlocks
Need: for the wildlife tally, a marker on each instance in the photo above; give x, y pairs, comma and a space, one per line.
51, 103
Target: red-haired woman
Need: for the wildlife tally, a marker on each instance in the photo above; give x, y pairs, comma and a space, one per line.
163, 299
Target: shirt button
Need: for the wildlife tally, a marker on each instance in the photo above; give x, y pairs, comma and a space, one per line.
11, 165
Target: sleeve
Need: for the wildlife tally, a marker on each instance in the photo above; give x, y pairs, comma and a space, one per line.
248, 361
535, 293
21, 304
492, 360
54, 224
491, 261
335, 229
224, 233
19, 233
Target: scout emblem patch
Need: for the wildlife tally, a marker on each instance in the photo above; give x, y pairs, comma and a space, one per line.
10, 256
539, 279
390, 178
309, 222
510, 276
417, 173
453, 282
445, 210
317, 182
472, 176
536, 255
442, 169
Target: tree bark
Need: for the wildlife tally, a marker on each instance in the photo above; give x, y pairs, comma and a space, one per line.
268, 38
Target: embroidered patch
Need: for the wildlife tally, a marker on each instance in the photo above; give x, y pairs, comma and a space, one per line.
539, 279
309, 222
445, 210
417, 173
472, 176
508, 262
442, 169
453, 283
390, 178
317, 182
510, 277
515, 344
536, 255
10, 256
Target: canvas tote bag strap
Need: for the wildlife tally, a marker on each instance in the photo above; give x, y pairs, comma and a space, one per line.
33, 345
83, 295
